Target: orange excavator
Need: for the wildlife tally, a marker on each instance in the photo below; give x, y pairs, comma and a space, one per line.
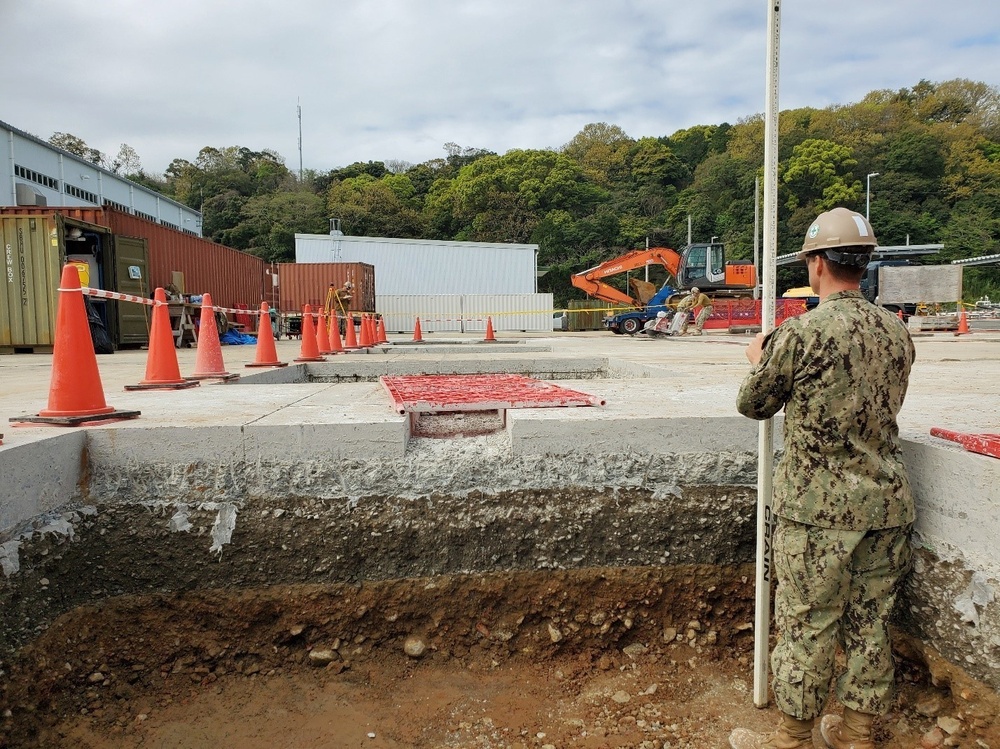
698, 265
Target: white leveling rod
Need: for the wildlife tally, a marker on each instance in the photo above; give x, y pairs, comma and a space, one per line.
765, 437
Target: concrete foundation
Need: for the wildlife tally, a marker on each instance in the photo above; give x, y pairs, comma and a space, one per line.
306, 475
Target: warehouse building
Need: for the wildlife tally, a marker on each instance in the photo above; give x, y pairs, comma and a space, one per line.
36, 173
450, 286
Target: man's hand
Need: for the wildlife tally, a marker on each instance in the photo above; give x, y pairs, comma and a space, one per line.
753, 351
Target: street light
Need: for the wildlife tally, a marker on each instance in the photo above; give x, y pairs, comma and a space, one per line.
868, 193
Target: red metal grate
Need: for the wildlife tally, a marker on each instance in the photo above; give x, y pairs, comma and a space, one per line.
984, 444
479, 392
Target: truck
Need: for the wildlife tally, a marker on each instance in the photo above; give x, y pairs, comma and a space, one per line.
701, 265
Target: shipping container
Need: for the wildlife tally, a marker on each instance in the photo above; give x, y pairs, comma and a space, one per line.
234, 279
309, 283
465, 313
35, 248
423, 266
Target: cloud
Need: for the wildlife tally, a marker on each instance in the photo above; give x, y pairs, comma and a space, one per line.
396, 79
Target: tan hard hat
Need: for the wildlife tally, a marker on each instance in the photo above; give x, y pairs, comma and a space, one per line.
695, 289
839, 228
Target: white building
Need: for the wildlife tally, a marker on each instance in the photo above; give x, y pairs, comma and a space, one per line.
429, 266
450, 286
33, 172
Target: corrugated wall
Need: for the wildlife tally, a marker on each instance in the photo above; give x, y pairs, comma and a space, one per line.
31, 276
438, 313
308, 283
230, 276
420, 266
465, 313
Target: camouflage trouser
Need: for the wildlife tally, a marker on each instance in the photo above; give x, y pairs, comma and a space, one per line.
699, 323
835, 586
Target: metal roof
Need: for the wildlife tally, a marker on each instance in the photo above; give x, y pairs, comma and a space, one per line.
98, 167
880, 253
983, 260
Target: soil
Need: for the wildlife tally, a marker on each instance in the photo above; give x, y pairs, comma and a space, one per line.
650, 658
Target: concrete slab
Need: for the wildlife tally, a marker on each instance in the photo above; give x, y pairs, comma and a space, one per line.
669, 431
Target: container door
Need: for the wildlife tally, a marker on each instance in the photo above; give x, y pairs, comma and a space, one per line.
31, 269
130, 274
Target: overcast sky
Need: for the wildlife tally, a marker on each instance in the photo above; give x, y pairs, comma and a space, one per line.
396, 79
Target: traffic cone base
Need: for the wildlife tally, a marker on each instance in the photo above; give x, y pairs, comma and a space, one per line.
267, 354
76, 395
162, 370
164, 385
76, 421
227, 377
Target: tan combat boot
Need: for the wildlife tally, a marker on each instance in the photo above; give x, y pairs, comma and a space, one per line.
853, 731
791, 734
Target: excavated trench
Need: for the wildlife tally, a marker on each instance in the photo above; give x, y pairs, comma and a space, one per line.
461, 594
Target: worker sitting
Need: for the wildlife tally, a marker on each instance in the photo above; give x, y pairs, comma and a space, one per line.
692, 301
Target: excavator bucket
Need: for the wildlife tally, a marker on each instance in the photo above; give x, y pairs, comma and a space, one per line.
642, 290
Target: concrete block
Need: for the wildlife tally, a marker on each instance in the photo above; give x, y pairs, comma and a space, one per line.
39, 476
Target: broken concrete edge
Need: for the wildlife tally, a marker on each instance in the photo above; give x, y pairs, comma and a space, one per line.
67, 478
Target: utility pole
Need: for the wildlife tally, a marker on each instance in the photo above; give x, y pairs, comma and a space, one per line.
868, 194
299, 107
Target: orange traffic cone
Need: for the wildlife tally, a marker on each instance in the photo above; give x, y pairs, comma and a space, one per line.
350, 338
309, 350
381, 337
208, 364
162, 370
963, 324
336, 347
366, 337
322, 337
76, 395
418, 337
489, 330
267, 353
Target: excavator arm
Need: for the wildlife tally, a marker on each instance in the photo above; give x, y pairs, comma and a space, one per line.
591, 281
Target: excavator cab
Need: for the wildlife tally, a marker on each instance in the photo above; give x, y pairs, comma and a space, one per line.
704, 266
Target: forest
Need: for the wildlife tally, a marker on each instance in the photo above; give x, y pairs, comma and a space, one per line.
935, 148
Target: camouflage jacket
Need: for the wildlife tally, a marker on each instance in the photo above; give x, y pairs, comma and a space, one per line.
692, 301
840, 371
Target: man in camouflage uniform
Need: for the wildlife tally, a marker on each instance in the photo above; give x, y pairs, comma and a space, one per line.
692, 301
842, 499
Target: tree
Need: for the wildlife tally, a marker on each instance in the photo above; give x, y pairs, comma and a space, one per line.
819, 176
76, 146
601, 151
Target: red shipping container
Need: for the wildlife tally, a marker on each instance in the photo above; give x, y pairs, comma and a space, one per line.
232, 277
309, 283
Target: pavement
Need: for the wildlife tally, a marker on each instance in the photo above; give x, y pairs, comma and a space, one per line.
955, 382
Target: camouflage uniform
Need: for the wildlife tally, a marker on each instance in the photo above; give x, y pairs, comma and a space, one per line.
841, 496
691, 302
